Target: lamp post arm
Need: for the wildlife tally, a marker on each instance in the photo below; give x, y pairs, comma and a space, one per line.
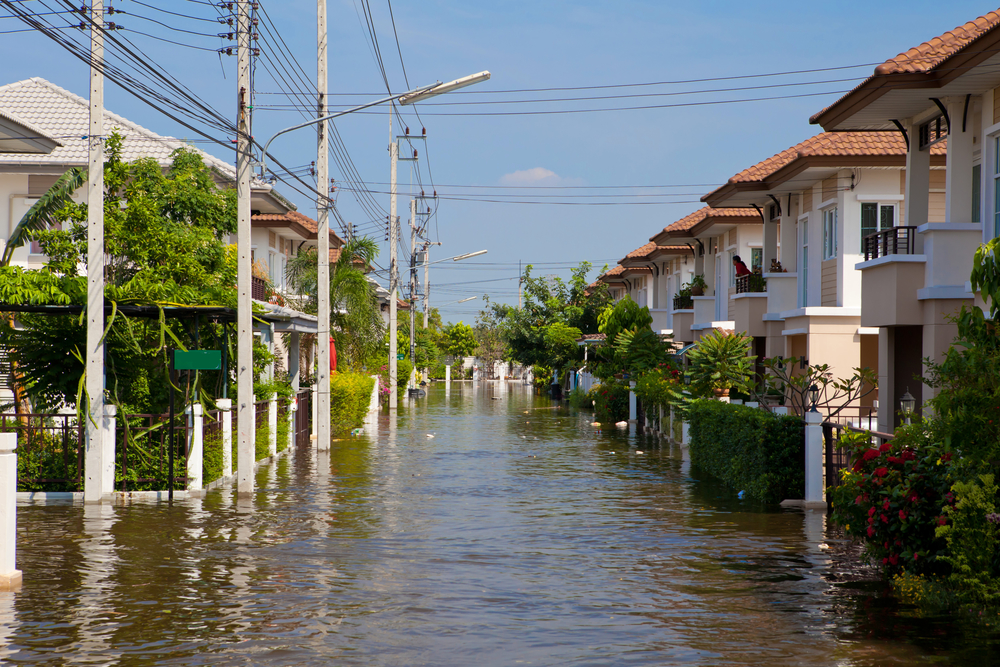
322, 119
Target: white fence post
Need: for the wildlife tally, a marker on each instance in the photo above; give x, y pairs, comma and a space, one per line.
315, 411
814, 458
10, 578
225, 410
108, 440
195, 445
632, 414
781, 410
685, 434
293, 408
272, 425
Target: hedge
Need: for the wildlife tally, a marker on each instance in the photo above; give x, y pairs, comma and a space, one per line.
350, 394
749, 449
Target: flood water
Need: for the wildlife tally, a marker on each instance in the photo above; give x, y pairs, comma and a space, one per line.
517, 535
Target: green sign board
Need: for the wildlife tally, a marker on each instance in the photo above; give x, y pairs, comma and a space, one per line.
198, 360
400, 357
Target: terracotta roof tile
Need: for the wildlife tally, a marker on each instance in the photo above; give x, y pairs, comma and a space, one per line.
641, 252
846, 144
692, 219
932, 53
296, 217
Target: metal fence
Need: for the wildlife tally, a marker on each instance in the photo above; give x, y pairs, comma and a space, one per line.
892, 241
752, 283
858, 420
303, 418
50, 451
143, 448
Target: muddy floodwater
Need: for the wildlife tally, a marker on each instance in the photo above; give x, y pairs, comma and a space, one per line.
479, 527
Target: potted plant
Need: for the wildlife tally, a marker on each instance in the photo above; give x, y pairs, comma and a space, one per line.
721, 361
698, 285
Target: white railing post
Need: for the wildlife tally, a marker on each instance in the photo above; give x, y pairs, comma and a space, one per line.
632, 414
814, 457
195, 445
685, 434
10, 578
272, 425
225, 410
293, 408
108, 442
315, 413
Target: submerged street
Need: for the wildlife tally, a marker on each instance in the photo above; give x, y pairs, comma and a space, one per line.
485, 527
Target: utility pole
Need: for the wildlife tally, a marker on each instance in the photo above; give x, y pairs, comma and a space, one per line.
413, 292
323, 239
96, 454
519, 281
393, 268
427, 280
244, 312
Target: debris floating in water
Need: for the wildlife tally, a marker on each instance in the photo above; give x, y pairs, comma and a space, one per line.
356, 431
430, 435
741, 494
622, 424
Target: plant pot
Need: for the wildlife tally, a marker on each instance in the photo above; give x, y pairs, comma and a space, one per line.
721, 393
697, 291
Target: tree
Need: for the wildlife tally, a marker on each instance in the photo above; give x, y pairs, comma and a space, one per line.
630, 345
721, 361
355, 317
491, 346
459, 340
574, 305
164, 244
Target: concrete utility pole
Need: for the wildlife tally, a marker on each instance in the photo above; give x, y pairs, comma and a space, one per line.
244, 312
323, 242
413, 292
427, 281
393, 268
96, 453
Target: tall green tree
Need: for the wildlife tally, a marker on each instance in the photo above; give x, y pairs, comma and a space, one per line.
459, 340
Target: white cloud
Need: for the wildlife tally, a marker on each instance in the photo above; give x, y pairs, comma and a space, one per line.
533, 176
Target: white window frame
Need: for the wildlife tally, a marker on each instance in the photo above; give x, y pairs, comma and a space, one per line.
880, 203
831, 222
803, 243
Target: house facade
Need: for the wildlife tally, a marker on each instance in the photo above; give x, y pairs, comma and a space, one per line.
945, 91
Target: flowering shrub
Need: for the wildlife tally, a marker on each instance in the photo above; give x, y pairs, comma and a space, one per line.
894, 498
611, 402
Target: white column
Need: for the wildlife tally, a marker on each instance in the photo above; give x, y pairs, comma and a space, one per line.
10, 577
293, 361
814, 457
109, 424
293, 408
685, 434
958, 166
918, 180
195, 445
315, 407
771, 240
272, 425
323, 231
632, 414
225, 414
94, 462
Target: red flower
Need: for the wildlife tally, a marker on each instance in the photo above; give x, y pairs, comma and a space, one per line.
857, 501
871, 454
902, 515
894, 459
894, 559
908, 455
871, 531
883, 518
946, 457
915, 555
871, 511
881, 472
886, 446
942, 520
914, 498
885, 505
885, 561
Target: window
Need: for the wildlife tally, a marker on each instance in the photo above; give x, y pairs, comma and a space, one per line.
996, 186
876, 218
977, 171
804, 266
732, 269
830, 233
756, 259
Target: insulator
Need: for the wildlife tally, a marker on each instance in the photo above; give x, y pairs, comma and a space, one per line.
424, 131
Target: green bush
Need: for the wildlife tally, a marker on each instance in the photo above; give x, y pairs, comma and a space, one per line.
579, 399
350, 394
749, 449
611, 402
403, 369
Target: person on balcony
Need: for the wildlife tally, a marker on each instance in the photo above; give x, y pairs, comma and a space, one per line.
741, 268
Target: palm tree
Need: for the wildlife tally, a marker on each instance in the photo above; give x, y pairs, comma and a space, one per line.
355, 318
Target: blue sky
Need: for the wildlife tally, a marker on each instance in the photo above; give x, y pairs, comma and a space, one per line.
485, 166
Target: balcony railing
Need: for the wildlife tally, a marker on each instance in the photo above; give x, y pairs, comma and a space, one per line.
258, 288
751, 283
893, 241
683, 302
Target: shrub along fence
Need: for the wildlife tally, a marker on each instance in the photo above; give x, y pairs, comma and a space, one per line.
749, 449
350, 397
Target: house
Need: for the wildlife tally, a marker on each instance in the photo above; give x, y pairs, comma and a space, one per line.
44, 127
915, 274
816, 203
649, 270
711, 237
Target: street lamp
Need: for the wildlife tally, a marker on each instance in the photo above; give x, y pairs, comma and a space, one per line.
813, 397
687, 380
907, 403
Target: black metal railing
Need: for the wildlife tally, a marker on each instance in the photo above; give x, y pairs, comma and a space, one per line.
50, 450
142, 452
752, 283
893, 241
683, 302
859, 420
259, 289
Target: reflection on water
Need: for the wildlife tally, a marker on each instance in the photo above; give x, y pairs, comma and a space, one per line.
479, 526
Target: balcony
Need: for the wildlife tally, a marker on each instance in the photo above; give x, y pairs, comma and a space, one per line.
683, 302
752, 283
782, 292
893, 241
